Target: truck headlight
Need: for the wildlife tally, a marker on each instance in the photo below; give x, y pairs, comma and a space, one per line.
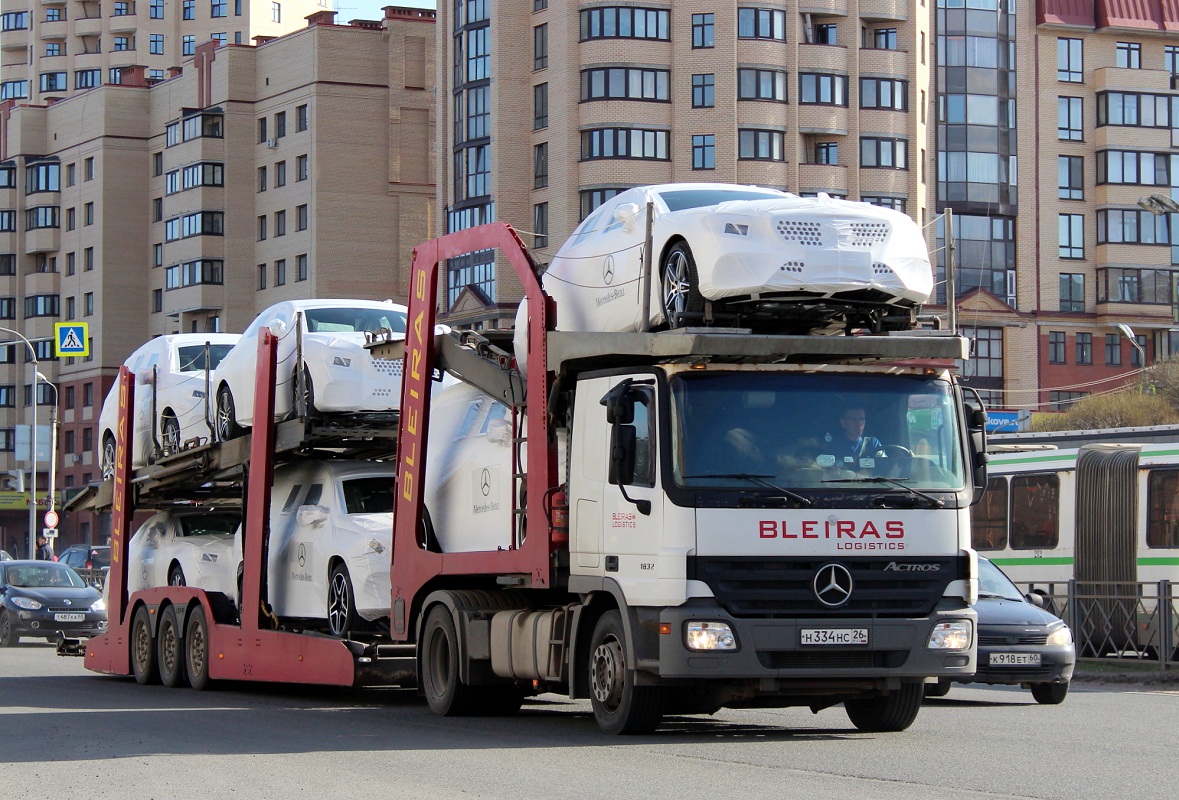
1060, 636
954, 635
99, 605
25, 602
709, 636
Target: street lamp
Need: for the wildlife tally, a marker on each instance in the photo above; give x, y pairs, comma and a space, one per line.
1158, 204
1128, 332
52, 501
32, 446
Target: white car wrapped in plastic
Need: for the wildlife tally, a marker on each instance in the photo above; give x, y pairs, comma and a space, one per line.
740, 256
170, 405
331, 539
184, 548
339, 376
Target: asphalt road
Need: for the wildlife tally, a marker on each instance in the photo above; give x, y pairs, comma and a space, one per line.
65, 732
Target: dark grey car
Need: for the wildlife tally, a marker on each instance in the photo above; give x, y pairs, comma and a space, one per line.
44, 599
1019, 642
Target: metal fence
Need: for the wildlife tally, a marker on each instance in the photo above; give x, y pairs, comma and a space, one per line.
1118, 621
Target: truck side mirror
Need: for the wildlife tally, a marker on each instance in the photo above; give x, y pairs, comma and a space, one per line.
976, 427
622, 454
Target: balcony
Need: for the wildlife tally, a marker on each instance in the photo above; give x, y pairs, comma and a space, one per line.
43, 240
884, 9
626, 172
761, 173
124, 23
824, 8
54, 30
822, 119
88, 26
36, 283
15, 40
885, 62
831, 178
1130, 80
887, 181
1129, 137
823, 58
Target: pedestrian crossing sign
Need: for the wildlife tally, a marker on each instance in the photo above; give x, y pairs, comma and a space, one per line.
71, 339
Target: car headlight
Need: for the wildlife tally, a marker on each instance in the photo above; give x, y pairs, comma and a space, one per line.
26, 603
1060, 636
99, 605
950, 635
709, 636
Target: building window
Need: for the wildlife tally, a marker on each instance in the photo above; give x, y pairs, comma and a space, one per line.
71, 263
7, 263
8, 308
189, 9
157, 300
301, 267
87, 78
703, 90
1069, 121
880, 39
1071, 174
1056, 347
540, 106
123, 43
301, 217
43, 305
884, 153
198, 223
157, 209
614, 22
280, 124
761, 84
280, 272
884, 93
14, 21
276, 12
14, 90
88, 259
827, 153
1072, 292
156, 9
301, 118
1113, 349
261, 276
1171, 59
624, 143
88, 304
761, 23
759, 145
280, 223
703, 152
1084, 348
262, 220
301, 171
1134, 109
540, 166
1129, 55
540, 47
88, 214
188, 45
280, 174
157, 254
217, 8
1124, 226
625, 83
54, 81
1063, 401
43, 177
1137, 351
821, 89
1072, 236
703, 30
895, 203
1069, 65
1134, 168
826, 33
540, 225
54, 49
986, 358
155, 44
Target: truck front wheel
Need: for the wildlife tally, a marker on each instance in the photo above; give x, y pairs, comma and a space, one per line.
447, 695
620, 707
888, 713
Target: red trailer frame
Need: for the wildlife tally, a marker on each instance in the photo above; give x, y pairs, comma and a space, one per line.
247, 651
532, 559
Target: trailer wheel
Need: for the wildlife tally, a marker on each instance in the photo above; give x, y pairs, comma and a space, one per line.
888, 713
227, 427
176, 576
620, 706
170, 434
170, 649
196, 649
8, 637
1049, 694
341, 604
681, 286
143, 649
447, 695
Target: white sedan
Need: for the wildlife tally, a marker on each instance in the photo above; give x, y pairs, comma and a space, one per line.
338, 374
184, 548
331, 540
170, 406
740, 256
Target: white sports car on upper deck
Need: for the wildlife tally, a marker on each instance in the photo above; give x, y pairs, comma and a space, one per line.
339, 375
740, 256
169, 395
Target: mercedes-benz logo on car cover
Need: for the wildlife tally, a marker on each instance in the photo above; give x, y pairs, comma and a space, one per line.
833, 585
485, 482
608, 270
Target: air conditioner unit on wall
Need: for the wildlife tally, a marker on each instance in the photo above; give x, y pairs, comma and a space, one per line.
272, 143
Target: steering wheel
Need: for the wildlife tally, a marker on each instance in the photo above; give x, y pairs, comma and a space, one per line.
897, 451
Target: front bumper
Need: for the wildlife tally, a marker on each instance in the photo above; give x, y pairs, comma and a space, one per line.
772, 649
1056, 666
43, 624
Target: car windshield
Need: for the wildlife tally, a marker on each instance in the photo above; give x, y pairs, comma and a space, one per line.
209, 524
820, 431
353, 320
993, 583
40, 576
192, 357
679, 199
369, 495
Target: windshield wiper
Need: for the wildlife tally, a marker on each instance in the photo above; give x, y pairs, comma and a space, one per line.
994, 596
758, 479
937, 501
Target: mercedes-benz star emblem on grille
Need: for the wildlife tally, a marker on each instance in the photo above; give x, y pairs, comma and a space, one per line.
833, 585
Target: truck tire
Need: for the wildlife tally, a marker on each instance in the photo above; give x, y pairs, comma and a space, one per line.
680, 286
196, 650
939, 689
620, 706
1049, 694
144, 666
170, 649
888, 713
447, 695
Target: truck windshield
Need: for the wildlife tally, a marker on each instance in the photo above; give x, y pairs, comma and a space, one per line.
818, 431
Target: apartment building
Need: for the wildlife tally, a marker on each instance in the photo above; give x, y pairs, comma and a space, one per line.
50, 49
297, 168
548, 108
